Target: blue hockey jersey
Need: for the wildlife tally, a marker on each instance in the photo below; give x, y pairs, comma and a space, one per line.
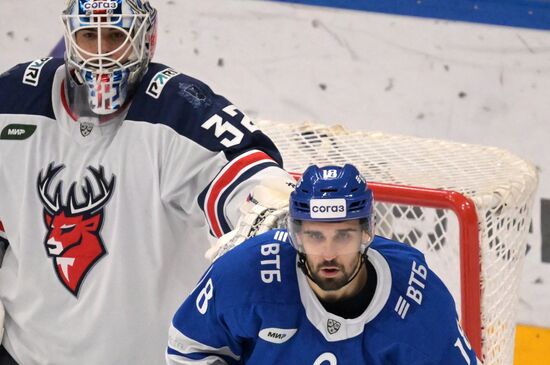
254, 306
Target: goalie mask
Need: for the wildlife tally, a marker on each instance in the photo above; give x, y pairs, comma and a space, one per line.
331, 216
109, 44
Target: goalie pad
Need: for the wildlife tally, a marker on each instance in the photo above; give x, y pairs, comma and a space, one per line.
264, 209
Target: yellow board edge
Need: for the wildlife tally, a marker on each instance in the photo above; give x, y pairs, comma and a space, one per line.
532, 346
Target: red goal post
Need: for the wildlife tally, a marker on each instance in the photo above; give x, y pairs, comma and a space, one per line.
466, 207
465, 210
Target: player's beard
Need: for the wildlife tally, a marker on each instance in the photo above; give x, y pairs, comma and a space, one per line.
334, 283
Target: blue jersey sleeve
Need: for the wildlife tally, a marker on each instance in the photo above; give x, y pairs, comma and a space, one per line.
199, 332
459, 350
456, 349
420, 322
450, 344
248, 293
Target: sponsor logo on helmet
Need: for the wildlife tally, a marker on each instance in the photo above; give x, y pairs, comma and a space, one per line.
328, 208
100, 5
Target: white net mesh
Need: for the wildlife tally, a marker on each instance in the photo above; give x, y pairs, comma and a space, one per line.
500, 184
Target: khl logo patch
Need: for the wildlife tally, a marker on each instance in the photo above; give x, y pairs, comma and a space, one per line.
86, 129
333, 326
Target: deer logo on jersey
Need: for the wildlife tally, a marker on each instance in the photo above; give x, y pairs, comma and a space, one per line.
73, 240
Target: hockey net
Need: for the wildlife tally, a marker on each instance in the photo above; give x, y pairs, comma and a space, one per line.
466, 207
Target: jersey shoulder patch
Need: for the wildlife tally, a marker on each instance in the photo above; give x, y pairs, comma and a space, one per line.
261, 269
405, 262
418, 294
189, 107
27, 87
169, 83
169, 87
183, 103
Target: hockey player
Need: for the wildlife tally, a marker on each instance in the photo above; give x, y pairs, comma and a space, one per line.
113, 170
323, 292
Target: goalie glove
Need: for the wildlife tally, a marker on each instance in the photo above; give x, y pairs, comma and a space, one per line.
264, 209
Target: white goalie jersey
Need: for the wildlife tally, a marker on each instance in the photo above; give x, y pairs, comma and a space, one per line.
106, 226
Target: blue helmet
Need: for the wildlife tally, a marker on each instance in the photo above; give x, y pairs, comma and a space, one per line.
331, 194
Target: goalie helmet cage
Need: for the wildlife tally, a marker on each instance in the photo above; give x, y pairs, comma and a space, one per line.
466, 207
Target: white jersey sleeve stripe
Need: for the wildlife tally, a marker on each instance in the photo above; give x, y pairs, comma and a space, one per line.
225, 178
178, 343
172, 359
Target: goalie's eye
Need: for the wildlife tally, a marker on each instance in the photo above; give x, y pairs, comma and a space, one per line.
87, 34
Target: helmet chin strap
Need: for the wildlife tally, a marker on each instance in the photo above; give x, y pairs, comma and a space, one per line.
302, 264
